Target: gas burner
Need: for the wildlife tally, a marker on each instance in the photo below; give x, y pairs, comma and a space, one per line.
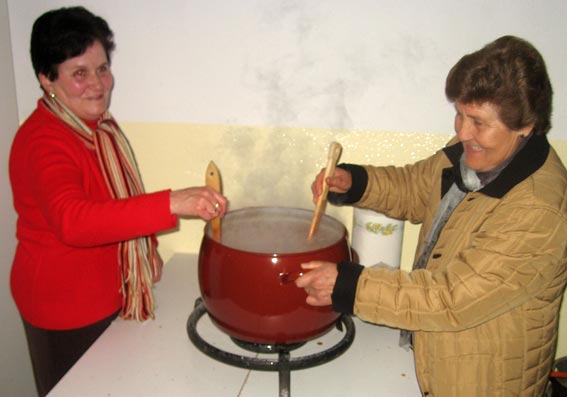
283, 364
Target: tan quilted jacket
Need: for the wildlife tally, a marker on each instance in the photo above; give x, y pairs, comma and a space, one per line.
485, 310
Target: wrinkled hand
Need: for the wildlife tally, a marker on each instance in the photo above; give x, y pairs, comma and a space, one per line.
339, 182
319, 282
201, 201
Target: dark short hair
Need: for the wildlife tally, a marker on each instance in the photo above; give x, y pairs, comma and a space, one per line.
510, 74
65, 33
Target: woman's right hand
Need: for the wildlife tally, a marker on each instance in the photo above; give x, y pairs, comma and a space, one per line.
339, 182
201, 201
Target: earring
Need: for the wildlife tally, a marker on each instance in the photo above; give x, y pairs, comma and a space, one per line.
52, 94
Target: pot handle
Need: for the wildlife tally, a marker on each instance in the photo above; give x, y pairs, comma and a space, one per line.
289, 277
558, 374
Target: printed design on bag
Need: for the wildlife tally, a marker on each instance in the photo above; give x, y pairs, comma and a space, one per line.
378, 228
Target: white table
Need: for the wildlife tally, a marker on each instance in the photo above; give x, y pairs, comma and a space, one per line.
156, 358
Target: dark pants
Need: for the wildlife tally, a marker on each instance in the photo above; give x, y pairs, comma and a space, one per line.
54, 352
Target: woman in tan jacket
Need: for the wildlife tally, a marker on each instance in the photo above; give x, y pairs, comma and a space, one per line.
483, 298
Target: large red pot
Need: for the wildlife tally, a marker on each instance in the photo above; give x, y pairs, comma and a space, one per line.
241, 278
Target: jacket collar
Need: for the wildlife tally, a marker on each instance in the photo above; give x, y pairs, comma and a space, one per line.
528, 160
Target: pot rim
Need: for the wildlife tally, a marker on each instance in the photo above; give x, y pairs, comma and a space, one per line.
344, 234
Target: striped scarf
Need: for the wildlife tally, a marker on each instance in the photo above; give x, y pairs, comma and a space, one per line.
138, 259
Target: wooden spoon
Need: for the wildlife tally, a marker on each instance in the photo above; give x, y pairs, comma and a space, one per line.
334, 153
213, 180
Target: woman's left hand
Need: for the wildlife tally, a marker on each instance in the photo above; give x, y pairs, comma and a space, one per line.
318, 282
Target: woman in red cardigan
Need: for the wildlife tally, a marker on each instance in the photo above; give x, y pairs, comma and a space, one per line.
86, 246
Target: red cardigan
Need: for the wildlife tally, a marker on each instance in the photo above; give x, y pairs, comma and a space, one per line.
65, 272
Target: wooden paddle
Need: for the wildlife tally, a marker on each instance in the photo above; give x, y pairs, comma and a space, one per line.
334, 153
213, 180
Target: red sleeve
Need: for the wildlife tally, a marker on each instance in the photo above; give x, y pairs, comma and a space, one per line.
64, 181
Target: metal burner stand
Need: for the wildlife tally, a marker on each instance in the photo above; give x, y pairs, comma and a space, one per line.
284, 364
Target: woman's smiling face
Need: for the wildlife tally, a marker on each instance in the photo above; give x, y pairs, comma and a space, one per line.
486, 140
84, 83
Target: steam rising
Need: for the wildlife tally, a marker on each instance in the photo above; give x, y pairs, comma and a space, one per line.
291, 86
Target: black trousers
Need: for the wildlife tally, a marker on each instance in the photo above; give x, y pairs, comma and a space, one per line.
54, 352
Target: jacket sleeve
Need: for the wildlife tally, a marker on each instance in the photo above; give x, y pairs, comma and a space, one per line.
516, 254
344, 292
67, 185
404, 192
398, 192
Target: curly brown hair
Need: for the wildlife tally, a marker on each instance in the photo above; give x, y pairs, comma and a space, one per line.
510, 74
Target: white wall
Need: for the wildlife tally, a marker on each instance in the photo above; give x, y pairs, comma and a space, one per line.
362, 64
16, 377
